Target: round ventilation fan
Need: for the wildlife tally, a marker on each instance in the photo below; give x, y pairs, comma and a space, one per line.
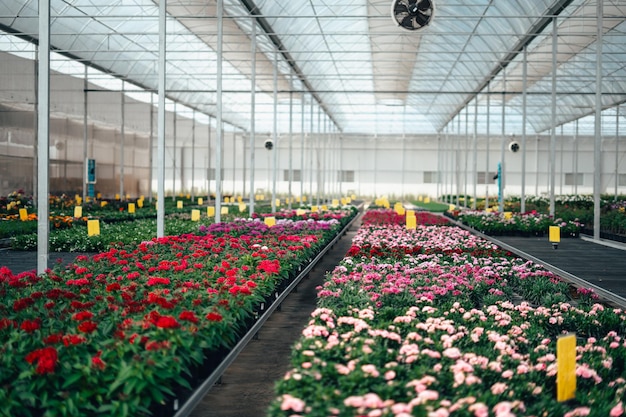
412, 14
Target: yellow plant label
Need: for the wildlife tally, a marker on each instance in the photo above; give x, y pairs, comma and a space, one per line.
420, 198
23, 214
508, 215
303, 198
103, 203
93, 227
195, 215
348, 200
179, 204
242, 207
566, 367
314, 209
555, 234
451, 207
99, 196
270, 221
131, 208
278, 202
117, 196
224, 210
410, 213
200, 201
79, 200
78, 211
343, 201
140, 203
210, 211
239, 199
324, 207
426, 200
335, 202
411, 222
300, 212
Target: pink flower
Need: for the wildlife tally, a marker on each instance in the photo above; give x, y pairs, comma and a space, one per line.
618, 410
452, 353
292, 403
479, 410
578, 412
498, 388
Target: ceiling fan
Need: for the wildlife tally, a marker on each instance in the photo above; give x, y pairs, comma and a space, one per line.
412, 14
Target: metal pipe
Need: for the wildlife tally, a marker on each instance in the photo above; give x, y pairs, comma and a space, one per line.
524, 116
161, 123
122, 141
597, 149
553, 117
43, 136
252, 115
275, 132
218, 117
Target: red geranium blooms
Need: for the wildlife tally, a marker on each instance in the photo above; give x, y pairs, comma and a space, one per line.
167, 322
46, 359
87, 326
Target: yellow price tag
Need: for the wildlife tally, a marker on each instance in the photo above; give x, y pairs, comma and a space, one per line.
23, 214
200, 201
314, 209
93, 227
210, 211
278, 202
179, 204
99, 196
303, 198
224, 210
566, 367
242, 207
140, 203
78, 211
508, 215
117, 196
79, 200
195, 215
335, 202
270, 221
411, 222
131, 208
427, 200
555, 234
300, 212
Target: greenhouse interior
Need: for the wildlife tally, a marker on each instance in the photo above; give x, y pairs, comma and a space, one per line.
466, 108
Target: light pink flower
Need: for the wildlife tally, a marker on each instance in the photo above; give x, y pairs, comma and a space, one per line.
498, 388
618, 410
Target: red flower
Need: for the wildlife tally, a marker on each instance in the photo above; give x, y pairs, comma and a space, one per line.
22, 303
30, 326
153, 345
113, 287
46, 359
6, 323
188, 316
271, 267
73, 339
158, 280
98, 363
83, 315
53, 338
78, 282
167, 322
87, 326
214, 317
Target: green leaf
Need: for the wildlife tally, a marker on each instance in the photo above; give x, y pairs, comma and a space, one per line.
71, 379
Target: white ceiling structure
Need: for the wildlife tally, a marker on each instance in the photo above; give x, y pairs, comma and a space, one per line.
349, 60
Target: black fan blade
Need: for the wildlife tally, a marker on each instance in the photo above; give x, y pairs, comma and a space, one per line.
400, 8
407, 22
422, 19
424, 5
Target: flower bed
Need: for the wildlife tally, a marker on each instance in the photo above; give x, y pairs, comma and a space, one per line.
125, 331
465, 329
525, 224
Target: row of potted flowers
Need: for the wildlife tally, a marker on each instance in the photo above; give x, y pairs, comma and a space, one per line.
521, 224
125, 331
458, 327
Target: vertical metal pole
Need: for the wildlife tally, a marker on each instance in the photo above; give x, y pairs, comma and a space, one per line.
151, 152
218, 120
161, 123
466, 151
597, 149
553, 112
457, 165
524, 116
502, 146
85, 130
311, 153
439, 167
488, 146
289, 193
475, 156
275, 133
616, 152
193, 156
234, 142
175, 133
561, 174
340, 179
252, 115
43, 136
537, 165
208, 168
122, 141
575, 156
301, 147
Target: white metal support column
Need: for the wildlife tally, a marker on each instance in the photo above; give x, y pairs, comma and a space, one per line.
311, 153
289, 193
252, 114
275, 132
122, 140
151, 145
575, 156
85, 130
465, 156
43, 136
502, 146
161, 122
301, 147
616, 151
524, 115
174, 167
553, 113
218, 119
193, 155
475, 156
487, 147
597, 149
317, 153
